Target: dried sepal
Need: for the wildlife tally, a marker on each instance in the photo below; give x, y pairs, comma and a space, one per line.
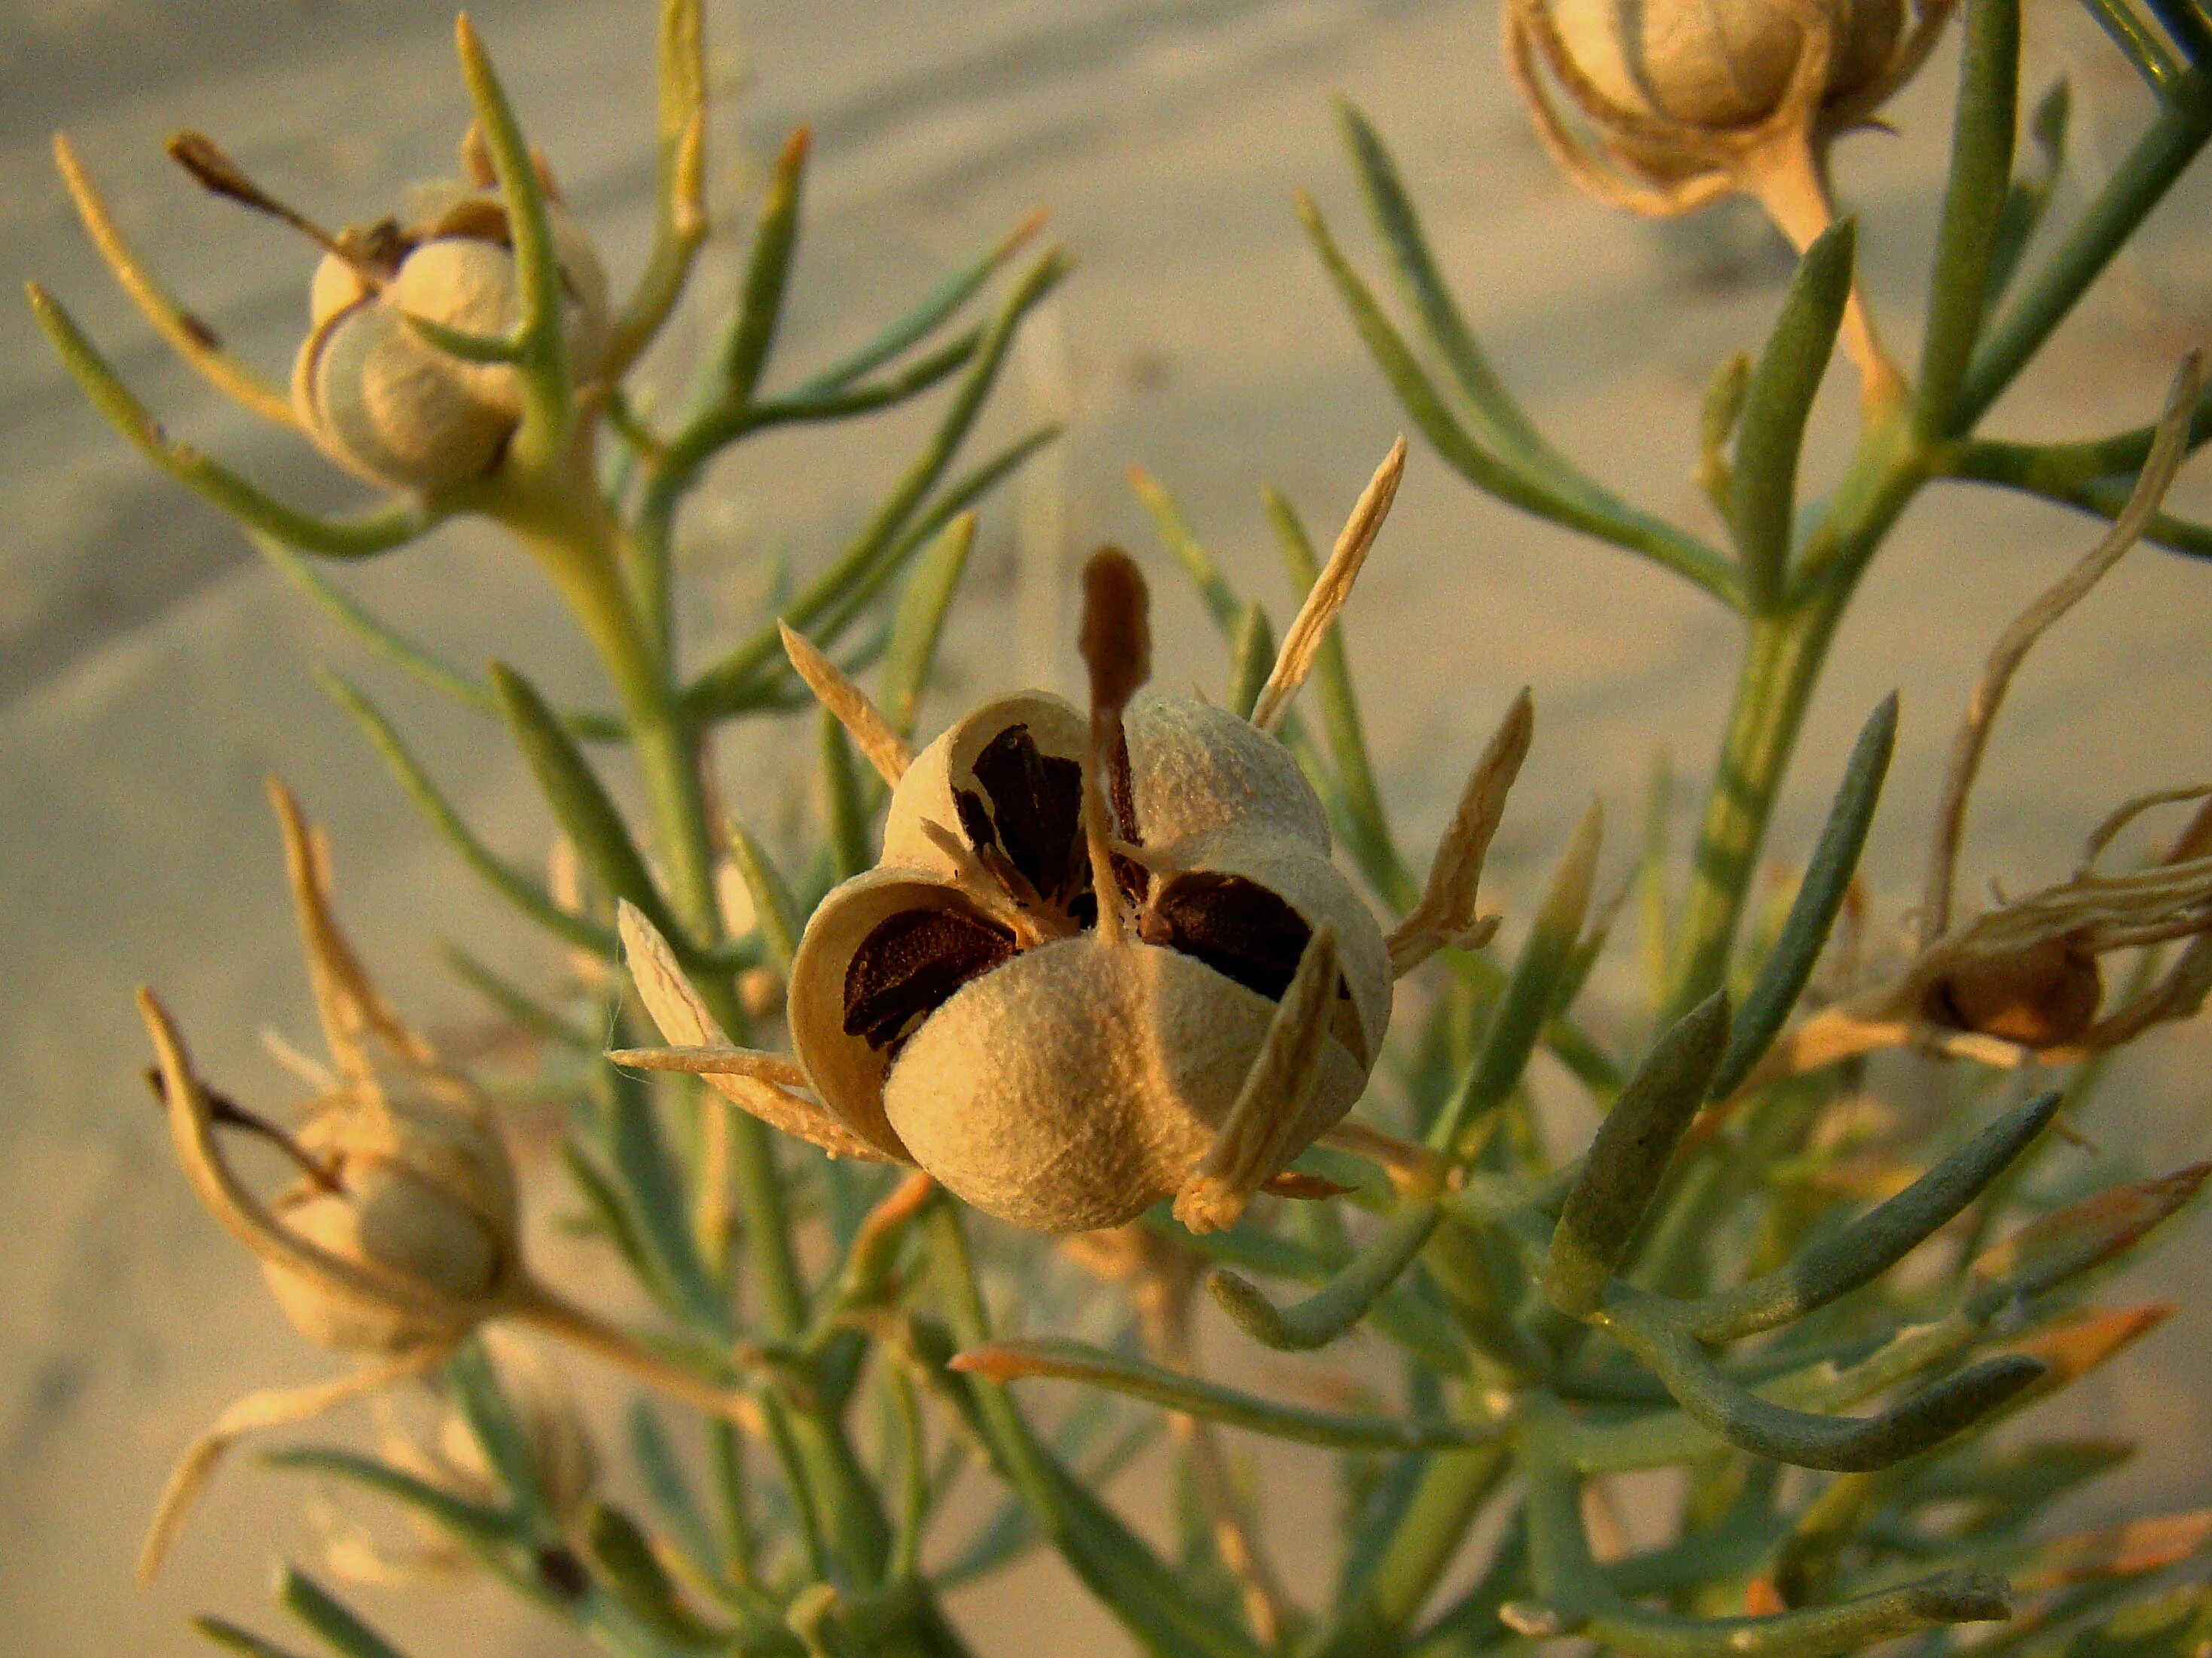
275, 1408
882, 747
1330, 589
1445, 915
1271, 1108
764, 1085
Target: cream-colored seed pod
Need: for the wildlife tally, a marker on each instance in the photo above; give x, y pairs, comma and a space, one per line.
386, 403
420, 1194
1114, 1066
1721, 64
1105, 958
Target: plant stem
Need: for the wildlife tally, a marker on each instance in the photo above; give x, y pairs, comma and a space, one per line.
560, 518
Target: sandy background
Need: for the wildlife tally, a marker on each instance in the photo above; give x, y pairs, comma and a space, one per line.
151, 670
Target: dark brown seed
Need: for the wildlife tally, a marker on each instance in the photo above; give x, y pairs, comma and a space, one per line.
1236, 927
910, 966
561, 1571
1037, 806
2043, 996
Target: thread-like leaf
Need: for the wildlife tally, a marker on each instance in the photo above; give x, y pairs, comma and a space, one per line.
623, 1555
1843, 1444
236, 1638
774, 911
1340, 1304
1776, 402
580, 801
767, 273
1076, 1361
1500, 473
1628, 1157
361, 538
1877, 1240
919, 622
524, 893
1973, 208
844, 807
473, 1523
1250, 657
2029, 196
1518, 1020
1788, 967
331, 1617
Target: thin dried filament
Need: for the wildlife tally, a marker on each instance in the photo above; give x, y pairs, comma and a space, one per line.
884, 748
1330, 589
1446, 912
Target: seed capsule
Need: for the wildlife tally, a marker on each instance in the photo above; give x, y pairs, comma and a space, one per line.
383, 401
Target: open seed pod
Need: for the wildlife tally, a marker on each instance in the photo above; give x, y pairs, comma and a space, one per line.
378, 398
1105, 958
958, 1005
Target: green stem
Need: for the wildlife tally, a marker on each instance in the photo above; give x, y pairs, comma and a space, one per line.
560, 517
2159, 158
1781, 660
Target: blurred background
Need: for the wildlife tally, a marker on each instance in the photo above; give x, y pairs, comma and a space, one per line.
152, 669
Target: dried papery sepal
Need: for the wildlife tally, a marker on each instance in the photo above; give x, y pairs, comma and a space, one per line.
1445, 915
882, 747
2169, 448
2022, 980
764, 1084
188, 335
1301, 639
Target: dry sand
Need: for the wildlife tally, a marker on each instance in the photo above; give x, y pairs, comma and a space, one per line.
151, 671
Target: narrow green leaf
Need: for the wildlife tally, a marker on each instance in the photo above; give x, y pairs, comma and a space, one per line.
876, 551
524, 893
525, 1009
1973, 206
1789, 966
1518, 1019
760, 301
1854, 1626
1183, 544
394, 525
1423, 289
1716, 422
548, 385
1330, 1311
1504, 477
491, 1420
774, 911
919, 622
459, 343
664, 1483
1878, 1240
865, 399
611, 1214
1842, 1444
472, 1524
946, 296
2029, 198
1777, 401
625, 1562
396, 648
653, 1194
1250, 660
329, 1617
581, 805
228, 1635
844, 806
2138, 42
1077, 1361
1628, 1157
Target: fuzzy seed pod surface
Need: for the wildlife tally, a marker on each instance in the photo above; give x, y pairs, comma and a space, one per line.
384, 403
956, 1007
1719, 64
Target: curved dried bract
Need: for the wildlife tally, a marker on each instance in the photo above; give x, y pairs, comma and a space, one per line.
883, 748
1446, 912
763, 1084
